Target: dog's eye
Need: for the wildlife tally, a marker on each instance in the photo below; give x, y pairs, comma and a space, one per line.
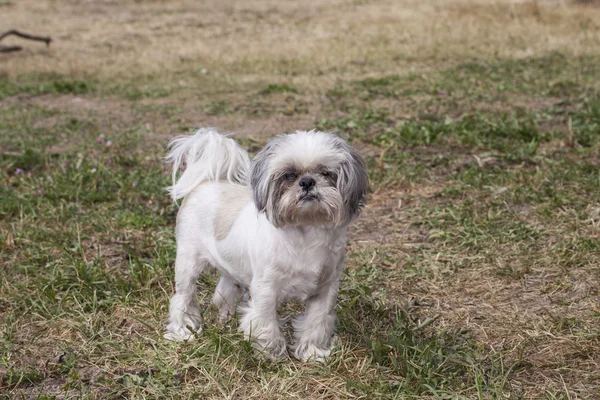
290, 176
326, 173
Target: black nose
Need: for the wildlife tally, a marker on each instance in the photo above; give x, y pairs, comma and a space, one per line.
307, 183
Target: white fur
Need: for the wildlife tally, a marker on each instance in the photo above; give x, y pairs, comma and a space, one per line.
208, 156
302, 260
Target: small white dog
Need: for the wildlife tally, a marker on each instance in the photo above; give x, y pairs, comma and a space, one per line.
275, 226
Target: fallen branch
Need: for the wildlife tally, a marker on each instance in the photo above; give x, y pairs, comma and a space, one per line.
7, 49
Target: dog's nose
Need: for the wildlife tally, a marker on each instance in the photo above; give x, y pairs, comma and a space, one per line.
307, 183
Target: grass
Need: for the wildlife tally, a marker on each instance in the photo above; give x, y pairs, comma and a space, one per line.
472, 273
43, 84
278, 88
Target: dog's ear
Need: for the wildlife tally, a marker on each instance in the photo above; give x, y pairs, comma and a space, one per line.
259, 177
353, 182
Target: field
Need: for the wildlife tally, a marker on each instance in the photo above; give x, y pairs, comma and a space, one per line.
473, 273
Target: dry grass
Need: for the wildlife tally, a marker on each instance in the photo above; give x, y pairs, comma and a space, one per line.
268, 39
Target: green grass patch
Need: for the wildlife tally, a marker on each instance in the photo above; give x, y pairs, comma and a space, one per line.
278, 88
44, 84
219, 107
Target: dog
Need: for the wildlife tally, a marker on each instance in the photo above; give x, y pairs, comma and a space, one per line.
274, 228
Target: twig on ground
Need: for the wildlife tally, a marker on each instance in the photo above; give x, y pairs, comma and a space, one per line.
7, 49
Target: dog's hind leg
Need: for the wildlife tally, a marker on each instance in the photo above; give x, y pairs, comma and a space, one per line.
226, 297
185, 317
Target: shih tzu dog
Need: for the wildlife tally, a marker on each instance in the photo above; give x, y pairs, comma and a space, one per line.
274, 227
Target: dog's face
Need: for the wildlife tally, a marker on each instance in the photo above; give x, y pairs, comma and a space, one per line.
309, 178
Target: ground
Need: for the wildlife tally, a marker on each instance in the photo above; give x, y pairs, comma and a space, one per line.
474, 271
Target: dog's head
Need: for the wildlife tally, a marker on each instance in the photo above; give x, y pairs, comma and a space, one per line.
309, 178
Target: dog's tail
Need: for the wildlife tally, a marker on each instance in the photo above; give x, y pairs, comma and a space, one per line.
207, 156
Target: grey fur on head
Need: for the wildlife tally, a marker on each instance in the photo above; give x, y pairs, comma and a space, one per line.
353, 181
278, 168
259, 179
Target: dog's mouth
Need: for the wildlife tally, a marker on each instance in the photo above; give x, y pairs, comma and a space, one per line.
308, 197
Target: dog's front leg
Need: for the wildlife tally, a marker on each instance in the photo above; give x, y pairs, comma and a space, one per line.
314, 330
259, 321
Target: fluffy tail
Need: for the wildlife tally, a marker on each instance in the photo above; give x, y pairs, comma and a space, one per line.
208, 156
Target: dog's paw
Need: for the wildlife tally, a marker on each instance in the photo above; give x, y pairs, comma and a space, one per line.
274, 348
308, 352
185, 319
181, 333
224, 318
